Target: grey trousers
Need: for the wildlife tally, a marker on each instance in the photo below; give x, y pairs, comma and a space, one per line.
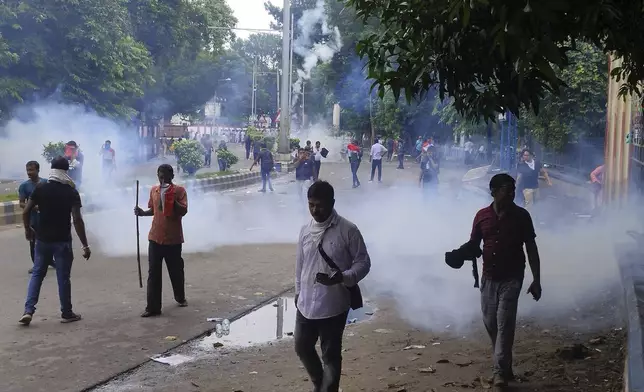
499, 303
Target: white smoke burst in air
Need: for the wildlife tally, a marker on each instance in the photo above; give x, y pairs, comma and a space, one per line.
314, 52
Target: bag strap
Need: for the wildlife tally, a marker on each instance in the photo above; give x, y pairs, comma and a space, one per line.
325, 256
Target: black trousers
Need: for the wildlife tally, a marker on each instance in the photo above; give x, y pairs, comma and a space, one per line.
325, 378
174, 262
316, 170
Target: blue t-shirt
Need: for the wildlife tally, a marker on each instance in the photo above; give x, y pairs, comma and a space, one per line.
24, 193
304, 170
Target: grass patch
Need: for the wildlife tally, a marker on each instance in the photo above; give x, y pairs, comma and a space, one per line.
215, 174
8, 197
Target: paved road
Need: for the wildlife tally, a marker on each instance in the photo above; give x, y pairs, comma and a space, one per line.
239, 251
222, 280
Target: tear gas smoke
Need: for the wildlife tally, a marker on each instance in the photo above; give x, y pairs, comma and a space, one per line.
321, 133
24, 137
406, 236
313, 52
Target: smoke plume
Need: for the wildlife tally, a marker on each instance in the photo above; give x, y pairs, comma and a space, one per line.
314, 53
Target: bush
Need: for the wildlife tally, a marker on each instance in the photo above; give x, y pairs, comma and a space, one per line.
294, 143
227, 157
258, 136
190, 155
53, 150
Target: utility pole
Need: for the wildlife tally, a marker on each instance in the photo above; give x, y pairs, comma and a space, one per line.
285, 116
253, 108
290, 67
277, 78
303, 84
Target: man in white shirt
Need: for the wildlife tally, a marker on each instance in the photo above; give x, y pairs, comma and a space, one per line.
317, 151
377, 151
324, 295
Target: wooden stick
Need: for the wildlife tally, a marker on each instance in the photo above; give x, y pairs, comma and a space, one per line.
138, 241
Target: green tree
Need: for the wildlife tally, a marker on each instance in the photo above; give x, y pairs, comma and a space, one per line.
579, 109
492, 55
82, 50
185, 48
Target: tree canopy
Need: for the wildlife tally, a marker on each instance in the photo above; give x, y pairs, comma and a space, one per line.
117, 57
494, 55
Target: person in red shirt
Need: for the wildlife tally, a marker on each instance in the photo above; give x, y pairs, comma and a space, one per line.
168, 204
504, 229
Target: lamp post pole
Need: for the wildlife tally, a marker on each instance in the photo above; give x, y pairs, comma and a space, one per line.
285, 114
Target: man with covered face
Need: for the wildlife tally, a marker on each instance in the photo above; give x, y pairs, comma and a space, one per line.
331, 259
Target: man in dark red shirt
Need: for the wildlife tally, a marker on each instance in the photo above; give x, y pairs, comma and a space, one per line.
504, 228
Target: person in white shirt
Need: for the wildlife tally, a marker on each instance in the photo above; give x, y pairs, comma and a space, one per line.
331, 259
317, 155
377, 151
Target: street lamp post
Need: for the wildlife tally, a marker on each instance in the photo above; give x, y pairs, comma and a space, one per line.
285, 114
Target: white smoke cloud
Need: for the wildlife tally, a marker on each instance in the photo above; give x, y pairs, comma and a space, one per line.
314, 52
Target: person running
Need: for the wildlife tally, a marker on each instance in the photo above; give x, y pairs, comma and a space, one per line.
168, 205
504, 229
377, 152
331, 260
58, 203
355, 157
266, 164
24, 193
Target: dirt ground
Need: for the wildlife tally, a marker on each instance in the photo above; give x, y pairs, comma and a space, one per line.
384, 354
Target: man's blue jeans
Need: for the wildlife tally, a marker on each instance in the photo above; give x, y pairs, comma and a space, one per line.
62, 255
266, 178
354, 172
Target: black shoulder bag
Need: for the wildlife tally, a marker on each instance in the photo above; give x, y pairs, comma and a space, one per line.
354, 291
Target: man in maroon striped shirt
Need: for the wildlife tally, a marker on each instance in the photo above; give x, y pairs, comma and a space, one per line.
504, 228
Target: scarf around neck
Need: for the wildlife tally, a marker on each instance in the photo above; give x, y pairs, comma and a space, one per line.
317, 229
61, 176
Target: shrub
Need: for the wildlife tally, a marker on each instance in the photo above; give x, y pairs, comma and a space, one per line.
258, 136
53, 150
227, 157
294, 143
190, 155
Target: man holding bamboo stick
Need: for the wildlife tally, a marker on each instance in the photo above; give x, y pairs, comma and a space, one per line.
168, 204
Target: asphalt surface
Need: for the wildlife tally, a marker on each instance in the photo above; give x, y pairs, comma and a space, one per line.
239, 251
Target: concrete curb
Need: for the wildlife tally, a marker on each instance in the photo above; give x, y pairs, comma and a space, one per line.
12, 213
632, 271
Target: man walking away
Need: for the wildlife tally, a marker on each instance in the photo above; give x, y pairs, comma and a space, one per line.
168, 204
318, 160
528, 178
58, 202
377, 151
265, 161
419, 148
256, 149
504, 228
247, 143
355, 157
208, 147
322, 295
303, 171
390, 149
428, 180
24, 193
401, 154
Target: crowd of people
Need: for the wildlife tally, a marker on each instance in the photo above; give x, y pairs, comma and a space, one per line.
332, 258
